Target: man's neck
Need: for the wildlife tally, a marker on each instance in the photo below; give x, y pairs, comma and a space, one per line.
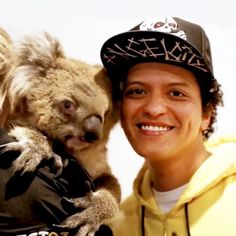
172, 173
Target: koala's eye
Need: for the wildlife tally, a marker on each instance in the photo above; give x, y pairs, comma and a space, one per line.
67, 107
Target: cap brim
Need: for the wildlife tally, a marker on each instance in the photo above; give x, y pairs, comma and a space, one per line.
122, 51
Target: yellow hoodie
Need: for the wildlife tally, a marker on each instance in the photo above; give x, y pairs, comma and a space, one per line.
207, 207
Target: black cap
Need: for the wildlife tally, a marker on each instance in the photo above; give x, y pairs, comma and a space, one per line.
166, 40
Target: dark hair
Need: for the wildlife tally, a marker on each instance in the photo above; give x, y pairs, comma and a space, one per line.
212, 97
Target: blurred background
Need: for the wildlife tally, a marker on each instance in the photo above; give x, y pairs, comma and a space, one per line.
83, 26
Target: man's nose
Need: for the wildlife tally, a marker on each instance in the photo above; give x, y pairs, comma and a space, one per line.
155, 105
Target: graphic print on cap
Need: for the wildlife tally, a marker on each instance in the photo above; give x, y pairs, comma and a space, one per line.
164, 24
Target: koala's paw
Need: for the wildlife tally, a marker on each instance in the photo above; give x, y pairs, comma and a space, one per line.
34, 148
97, 207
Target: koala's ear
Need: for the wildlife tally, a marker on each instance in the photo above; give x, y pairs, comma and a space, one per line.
5, 53
4, 109
6, 65
11, 103
40, 50
13, 90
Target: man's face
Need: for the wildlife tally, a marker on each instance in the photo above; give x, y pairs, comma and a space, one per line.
161, 111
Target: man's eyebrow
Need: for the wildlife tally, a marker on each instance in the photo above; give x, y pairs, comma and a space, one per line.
184, 84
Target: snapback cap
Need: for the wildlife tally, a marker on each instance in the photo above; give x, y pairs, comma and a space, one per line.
166, 40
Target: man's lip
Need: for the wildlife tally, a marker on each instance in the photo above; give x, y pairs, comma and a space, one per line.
140, 124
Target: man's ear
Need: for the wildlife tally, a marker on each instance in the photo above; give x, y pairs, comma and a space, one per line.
206, 119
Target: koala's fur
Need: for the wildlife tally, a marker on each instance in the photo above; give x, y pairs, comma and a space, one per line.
5, 53
45, 96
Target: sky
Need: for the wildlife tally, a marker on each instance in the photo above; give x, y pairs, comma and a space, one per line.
83, 26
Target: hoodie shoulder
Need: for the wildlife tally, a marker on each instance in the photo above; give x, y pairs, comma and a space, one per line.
221, 140
129, 204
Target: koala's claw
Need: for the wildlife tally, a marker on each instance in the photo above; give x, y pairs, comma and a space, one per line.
31, 156
84, 230
97, 207
87, 230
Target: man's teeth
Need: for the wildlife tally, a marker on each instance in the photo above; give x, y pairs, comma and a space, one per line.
154, 128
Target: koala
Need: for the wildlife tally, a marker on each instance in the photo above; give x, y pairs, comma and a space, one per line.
5, 53
46, 96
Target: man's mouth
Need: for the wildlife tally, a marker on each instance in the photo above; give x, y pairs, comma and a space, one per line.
154, 128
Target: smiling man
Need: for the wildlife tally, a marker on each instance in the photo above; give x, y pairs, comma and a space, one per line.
162, 72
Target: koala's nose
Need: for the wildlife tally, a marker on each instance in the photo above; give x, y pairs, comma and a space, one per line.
92, 128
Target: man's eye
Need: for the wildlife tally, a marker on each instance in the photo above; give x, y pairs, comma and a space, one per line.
176, 93
138, 91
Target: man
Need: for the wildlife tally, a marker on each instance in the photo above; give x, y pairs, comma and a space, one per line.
162, 72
